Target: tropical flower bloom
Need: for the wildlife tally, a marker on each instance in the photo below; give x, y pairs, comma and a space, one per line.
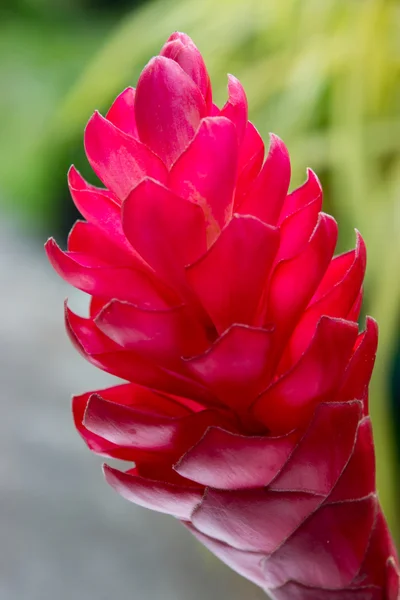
216, 295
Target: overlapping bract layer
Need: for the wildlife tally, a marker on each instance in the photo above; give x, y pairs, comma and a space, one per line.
217, 297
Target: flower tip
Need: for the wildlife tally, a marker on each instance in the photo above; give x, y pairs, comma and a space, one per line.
72, 172
68, 314
276, 142
110, 475
96, 116
95, 122
58, 259
71, 318
182, 37
89, 415
328, 221
359, 237
312, 177
274, 138
372, 328
360, 244
181, 49
232, 79
51, 247
156, 66
361, 250
128, 94
147, 183
75, 179
278, 150
91, 131
108, 309
106, 470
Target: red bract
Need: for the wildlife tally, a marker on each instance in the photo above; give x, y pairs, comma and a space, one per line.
217, 297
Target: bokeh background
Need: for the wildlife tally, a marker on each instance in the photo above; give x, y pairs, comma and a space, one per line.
322, 74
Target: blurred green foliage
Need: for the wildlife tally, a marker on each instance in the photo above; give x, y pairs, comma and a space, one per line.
324, 75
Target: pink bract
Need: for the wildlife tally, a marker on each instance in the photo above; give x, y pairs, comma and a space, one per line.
217, 297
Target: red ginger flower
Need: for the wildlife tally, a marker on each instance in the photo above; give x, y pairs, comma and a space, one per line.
217, 296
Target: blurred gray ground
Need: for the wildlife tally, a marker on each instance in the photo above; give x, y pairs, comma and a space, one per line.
65, 535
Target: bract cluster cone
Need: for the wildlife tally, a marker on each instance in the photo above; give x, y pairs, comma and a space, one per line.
217, 297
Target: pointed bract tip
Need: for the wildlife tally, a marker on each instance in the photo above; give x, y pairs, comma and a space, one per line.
182, 37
